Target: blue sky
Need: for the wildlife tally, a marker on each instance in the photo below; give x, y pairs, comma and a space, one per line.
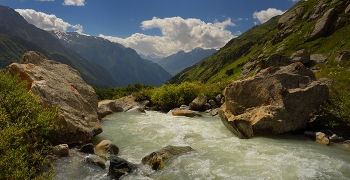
159, 27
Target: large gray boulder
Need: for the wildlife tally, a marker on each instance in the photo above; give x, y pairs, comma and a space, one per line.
321, 25
276, 101
288, 18
61, 86
199, 103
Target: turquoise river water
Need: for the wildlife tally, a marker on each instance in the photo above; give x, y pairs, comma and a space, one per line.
219, 153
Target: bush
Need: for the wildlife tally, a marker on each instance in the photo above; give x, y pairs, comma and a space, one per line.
166, 96
144, 94
171, 96
119, 92
25, 130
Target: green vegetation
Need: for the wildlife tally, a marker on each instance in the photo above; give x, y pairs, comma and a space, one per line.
338, 104
168, 95
118, 92
26, 128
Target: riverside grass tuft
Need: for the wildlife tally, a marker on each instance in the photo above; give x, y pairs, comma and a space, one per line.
26, 128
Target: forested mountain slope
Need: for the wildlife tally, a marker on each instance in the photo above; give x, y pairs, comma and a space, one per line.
125, 65
92, 73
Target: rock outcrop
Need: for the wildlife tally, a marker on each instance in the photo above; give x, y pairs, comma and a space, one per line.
61, 86
157, 160
275, 101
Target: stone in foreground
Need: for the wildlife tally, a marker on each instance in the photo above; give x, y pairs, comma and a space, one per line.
61, 86
276, 101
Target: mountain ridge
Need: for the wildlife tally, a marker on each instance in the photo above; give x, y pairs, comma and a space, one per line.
175, 63
125, 64
92, 73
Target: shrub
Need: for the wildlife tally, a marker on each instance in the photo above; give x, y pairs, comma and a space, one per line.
167, 96
143, 94
25, 129
171, 96
189, 91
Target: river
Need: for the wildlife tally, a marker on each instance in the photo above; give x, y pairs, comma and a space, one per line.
219, 153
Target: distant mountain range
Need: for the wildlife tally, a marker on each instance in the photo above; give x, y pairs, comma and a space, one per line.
177, 62
151, 57
22, 34
125, 64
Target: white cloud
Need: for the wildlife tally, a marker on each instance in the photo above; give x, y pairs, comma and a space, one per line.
74, 2
177, 34
45, 0
47, 22
265, 15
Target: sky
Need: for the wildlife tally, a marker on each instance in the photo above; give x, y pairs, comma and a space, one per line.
152, 27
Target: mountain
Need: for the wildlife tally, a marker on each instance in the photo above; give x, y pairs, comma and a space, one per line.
151, 57
125, 64
181, 60
320, 27
18, 28
13, 47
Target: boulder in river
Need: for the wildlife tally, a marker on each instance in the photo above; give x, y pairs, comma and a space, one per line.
119, 167
277, 100
61, 86
61, 150
106, 148
322, 138
185, 112
124, 104
157, 160
198, 104
95, 160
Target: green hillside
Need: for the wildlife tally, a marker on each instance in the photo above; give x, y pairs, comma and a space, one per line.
265, 39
